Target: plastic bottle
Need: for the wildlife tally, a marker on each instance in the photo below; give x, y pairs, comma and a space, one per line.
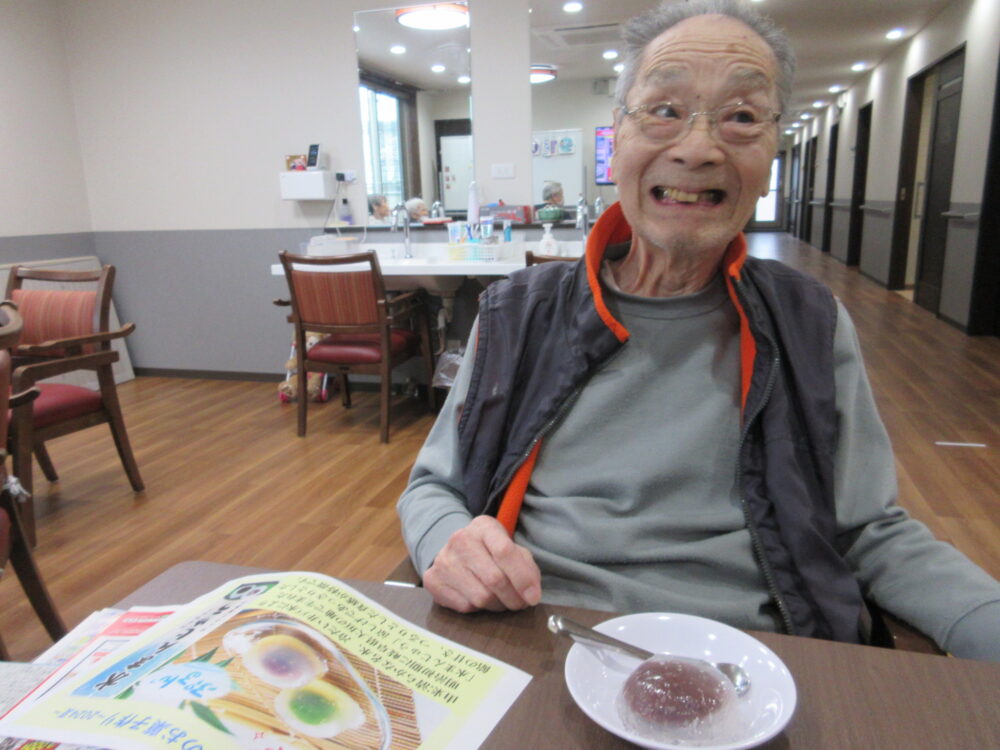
548, 245
344, 212
473, 217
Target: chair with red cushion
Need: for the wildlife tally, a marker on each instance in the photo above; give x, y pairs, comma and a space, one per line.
14, 545
65, 330
362, 327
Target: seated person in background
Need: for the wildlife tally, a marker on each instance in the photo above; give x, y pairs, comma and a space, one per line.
378, 210
552, 197
671, 425
417, 209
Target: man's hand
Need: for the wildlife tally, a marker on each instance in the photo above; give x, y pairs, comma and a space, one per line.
480, 567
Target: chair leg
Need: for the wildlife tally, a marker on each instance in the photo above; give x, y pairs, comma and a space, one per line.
31, 580
109, 393
21, 438
302, 398
45, 462
385, 396
345, 390
425, 347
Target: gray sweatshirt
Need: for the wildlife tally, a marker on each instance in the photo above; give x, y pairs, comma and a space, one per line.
633, 506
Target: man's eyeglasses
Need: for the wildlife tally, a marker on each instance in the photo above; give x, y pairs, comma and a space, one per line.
733, 123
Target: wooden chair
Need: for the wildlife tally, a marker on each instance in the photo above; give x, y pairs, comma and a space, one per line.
361, 325
65, 330
14, 545
533, 259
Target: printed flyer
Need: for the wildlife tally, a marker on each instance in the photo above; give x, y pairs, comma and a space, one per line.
285, 661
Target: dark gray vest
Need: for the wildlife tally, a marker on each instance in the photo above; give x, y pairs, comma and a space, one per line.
540, 337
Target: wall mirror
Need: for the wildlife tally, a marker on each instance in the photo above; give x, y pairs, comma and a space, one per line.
572, 109
415, 74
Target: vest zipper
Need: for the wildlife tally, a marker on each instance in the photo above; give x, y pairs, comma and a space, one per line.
545, 429
758, 549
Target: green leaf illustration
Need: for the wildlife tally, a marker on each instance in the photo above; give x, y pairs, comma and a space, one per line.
207, 715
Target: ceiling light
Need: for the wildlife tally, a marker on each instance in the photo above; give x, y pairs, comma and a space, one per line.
895, 34
835, 88
619, 67
805, 116
789, 132
397, 49
356, 28
435, 17
859, 66
573, 7
542, 73
818, 104
464, 79
437, 68
610, 54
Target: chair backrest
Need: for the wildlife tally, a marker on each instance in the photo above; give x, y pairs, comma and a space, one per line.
326, 298
533, 259
62, 313
10, 331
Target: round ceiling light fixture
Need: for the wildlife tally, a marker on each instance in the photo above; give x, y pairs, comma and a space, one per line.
542, 73
437, 17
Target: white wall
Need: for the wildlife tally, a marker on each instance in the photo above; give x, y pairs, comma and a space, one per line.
977, 23
561, 104
42, 188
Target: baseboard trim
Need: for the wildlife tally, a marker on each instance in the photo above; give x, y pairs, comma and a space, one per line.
166, 372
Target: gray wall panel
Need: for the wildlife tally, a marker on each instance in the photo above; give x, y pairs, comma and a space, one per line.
816, 228
840, 227
959, 265
45, 247
876, 240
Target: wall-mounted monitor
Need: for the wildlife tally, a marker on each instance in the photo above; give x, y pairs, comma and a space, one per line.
604, 147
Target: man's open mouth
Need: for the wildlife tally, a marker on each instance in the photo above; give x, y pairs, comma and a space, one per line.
674, 195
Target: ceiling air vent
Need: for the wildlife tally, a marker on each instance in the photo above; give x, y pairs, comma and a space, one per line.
579, 36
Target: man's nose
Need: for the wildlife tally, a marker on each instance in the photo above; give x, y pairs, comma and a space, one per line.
698, 143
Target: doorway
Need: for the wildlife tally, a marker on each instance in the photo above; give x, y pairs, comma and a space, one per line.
453, 144
795, 203
831, 175
945, 91
808, 188
858, 186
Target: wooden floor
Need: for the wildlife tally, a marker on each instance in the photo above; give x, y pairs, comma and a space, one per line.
227, 480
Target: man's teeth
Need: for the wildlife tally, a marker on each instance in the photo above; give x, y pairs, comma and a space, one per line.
682, 196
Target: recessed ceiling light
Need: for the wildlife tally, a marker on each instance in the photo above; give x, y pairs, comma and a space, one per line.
573, 7
619, 67
835, 88
895, 34
859, 66
789, 132
356, 28
806, 116
818, 104
437, 68
610, 54
464, 79
435, 17
397, 49
542, 73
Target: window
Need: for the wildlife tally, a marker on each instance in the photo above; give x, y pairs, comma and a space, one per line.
389, 136
767, 207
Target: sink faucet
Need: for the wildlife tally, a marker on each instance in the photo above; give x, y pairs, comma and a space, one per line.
437, 210
598, 207
582, 217
400, 213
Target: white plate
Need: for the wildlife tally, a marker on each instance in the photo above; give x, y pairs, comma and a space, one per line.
595, 676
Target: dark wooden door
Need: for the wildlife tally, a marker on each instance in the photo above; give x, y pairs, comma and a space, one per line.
858, 187
940, 165
795, 199
831, 176
808, 187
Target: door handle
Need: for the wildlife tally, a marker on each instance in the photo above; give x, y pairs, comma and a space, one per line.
918, 201
960, 216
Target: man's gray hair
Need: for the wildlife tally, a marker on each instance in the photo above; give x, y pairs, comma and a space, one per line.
644, 28
374, 201
550, 190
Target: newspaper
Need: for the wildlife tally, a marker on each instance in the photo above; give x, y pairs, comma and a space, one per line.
289, 661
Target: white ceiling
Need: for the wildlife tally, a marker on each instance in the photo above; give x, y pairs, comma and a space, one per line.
828, 37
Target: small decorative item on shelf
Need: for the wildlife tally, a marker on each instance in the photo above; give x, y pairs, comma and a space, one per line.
295, 162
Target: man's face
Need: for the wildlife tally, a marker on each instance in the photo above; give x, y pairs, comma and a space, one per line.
704, 63
381, 210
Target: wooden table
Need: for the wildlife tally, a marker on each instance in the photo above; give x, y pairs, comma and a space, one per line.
849, 697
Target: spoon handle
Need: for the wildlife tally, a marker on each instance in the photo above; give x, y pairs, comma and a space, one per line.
564, 626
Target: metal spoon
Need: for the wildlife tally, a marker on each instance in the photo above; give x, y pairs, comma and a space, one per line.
564, 626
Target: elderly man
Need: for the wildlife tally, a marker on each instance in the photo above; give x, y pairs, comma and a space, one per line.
671, 425
378, 210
